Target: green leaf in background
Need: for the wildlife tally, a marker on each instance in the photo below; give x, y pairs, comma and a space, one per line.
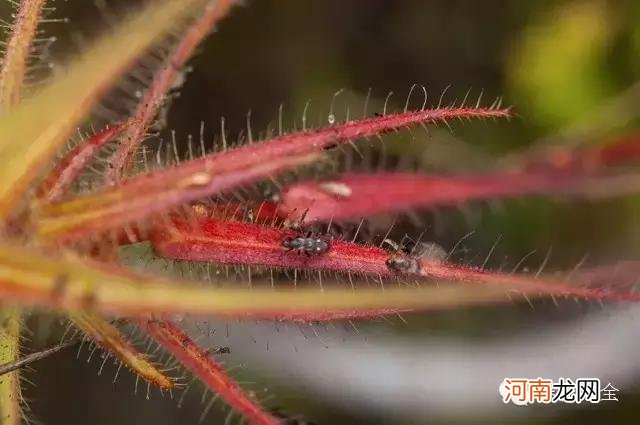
557, 68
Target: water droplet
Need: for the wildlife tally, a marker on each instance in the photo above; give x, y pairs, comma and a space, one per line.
332, 119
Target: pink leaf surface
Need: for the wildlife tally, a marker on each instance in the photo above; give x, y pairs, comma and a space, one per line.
62, 177
162, 83
352, 196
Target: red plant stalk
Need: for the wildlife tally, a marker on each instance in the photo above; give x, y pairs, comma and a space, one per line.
439, 271
228, 242
219, 241
163, 82
200, 363
62, 177
33, 277
623, 274
158, 191
623, 151
352, 196
256, 212
154, 192
309, 141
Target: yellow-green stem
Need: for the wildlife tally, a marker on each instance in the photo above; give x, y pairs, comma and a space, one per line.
12, 74
10, 395
14, 66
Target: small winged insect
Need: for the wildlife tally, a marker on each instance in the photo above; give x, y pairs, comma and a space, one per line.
422, 250
219, 350
425, 250
309, 244
407, 255
403, 263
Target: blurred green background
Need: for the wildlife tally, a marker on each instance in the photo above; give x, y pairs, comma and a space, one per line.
569, 68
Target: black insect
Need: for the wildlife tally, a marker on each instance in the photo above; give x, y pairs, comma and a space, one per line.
430, 251
308, 244
288, 419
330, 146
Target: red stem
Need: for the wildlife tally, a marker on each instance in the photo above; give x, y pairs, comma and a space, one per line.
223, 242
623, 151
60, 179
158, 191
543, 286
352, 196
154, 192
200, 363
162, 83
306, 142
228, 242
309, 141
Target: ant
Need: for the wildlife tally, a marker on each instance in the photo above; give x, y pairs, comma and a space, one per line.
308, 244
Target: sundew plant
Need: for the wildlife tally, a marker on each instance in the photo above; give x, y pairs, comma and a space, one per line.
158, 251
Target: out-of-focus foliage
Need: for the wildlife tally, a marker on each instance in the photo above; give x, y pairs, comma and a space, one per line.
556, 69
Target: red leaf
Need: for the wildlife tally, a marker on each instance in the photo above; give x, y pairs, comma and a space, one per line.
352, 196
200, 363
60, 179
163, 82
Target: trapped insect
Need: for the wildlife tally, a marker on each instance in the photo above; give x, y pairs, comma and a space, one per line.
309, 245
402, 263
423, 250
407, 255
